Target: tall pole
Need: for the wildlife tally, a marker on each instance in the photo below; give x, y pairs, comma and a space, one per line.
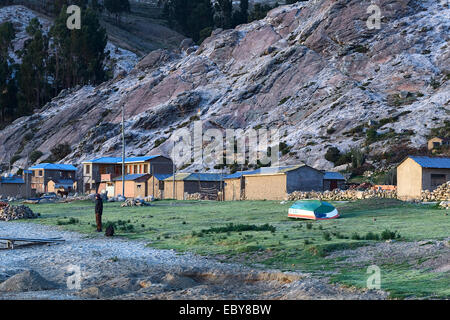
123, 150
173, 179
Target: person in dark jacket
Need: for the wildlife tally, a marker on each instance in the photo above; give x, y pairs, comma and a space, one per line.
98, 211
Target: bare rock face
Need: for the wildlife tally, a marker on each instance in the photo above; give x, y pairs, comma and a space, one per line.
28, 280
313, 70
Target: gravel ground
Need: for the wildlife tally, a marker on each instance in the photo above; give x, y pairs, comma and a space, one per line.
127, 269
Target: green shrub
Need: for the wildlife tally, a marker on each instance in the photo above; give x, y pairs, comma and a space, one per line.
309, 226
355, 236
59, 152
371, 236
35, 155
239, 228
327, 236
389, 235
14, 159
70, 221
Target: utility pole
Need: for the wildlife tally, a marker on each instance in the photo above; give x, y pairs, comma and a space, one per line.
173, 177
123, 150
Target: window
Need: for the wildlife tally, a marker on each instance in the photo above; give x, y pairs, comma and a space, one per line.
436, 144
88, 169
146, 168
437, 180
40, 173
138, 186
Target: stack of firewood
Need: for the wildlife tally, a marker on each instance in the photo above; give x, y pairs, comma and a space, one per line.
10, 212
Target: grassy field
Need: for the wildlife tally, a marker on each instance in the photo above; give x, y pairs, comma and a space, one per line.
261, 235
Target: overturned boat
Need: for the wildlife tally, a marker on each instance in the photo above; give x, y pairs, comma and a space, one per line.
313, 210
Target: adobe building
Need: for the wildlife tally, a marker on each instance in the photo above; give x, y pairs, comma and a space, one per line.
12, 186
136, 186
272, 183
61, 185
101, 172
43, 173
415, 174
183, 184
333, 180
437, 142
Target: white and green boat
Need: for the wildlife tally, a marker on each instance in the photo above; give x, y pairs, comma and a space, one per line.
313, 209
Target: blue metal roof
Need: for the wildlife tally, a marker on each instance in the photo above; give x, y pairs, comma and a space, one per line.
130, 177
432, 162
264, 170
161, 176
185, 176
63, 182
15, 180
54, 166
239, 174
333, 176
115, 160
204, 177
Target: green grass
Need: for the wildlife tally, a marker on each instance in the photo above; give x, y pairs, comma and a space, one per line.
259, 232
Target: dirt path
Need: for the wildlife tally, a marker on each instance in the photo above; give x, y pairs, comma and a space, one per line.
127, 269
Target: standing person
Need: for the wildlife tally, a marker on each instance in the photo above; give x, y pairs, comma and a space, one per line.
98, 211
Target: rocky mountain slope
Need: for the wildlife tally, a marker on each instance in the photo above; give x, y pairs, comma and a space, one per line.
313, 70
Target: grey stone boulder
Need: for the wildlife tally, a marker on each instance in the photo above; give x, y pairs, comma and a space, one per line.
28, 280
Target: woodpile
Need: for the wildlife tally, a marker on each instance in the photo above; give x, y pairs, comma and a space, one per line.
200, 196
10, 212
135, 203
445, 205
342, 195
441, 193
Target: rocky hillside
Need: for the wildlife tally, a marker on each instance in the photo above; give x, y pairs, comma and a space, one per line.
312, 69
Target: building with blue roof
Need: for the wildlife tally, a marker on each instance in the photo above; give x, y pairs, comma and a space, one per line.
418, 173
333, 180
12, 186
208, 185
105, 174
43, 173
272, 183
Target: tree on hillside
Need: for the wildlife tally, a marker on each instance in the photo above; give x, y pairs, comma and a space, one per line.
8, 87
224, 14
260, 11
78, 54
191, 17
117, 7
241, 16
33, 72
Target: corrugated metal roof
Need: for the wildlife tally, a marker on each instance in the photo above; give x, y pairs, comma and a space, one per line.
130, 177
333, 176
54, 166
161, 176
264, 170
115, 160
430, 162
12, 180
63, 183
186, 176
239, 174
